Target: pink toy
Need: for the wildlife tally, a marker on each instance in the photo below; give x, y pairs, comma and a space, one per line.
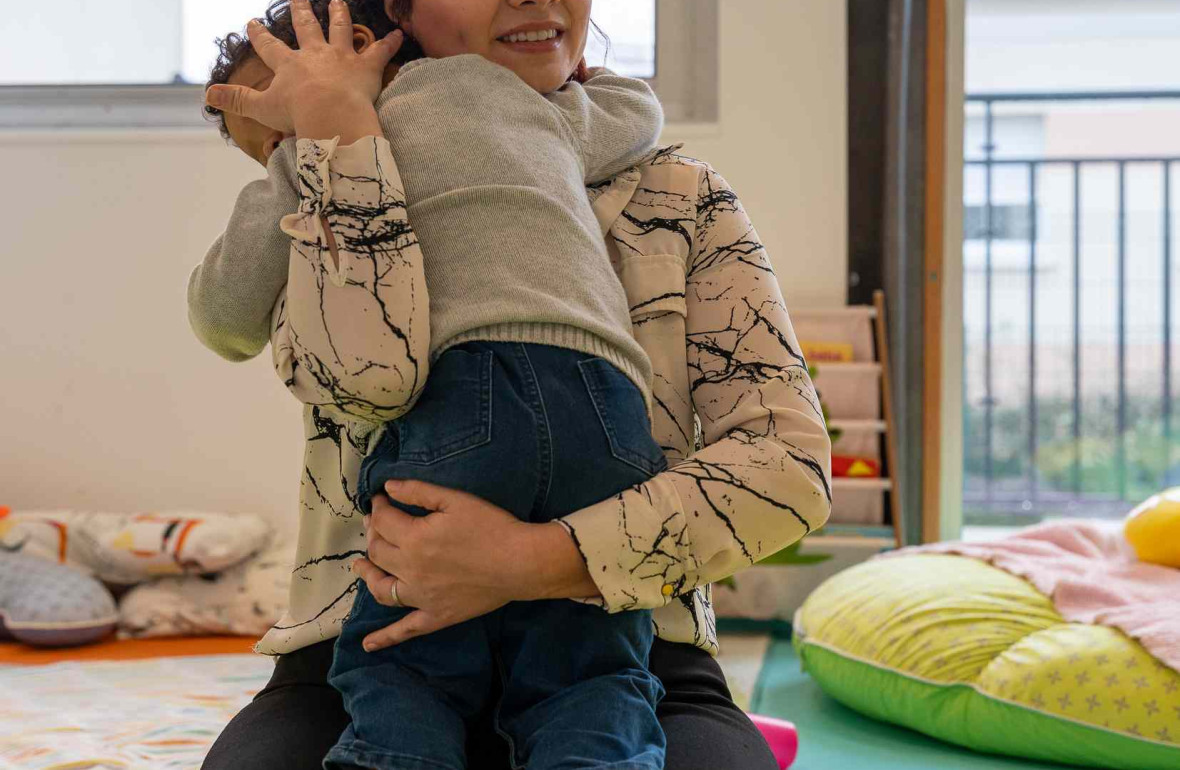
782, 737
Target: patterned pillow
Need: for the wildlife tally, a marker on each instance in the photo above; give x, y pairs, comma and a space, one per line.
965, 652
52, 605
246, 599
124, 549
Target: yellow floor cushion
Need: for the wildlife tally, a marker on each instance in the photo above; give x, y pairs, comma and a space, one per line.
965, 652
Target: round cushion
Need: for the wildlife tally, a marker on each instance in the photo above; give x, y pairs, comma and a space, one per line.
965, 652
51, 605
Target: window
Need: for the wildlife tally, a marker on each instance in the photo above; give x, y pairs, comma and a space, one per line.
1070, 332
141, 63
630, 27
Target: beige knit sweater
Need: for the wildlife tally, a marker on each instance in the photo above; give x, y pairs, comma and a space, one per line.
495, 179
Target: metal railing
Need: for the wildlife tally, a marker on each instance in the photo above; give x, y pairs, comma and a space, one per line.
989, 492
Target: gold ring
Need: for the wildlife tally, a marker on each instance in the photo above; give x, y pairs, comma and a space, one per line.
393, 590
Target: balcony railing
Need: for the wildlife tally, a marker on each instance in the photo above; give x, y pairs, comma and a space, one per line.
1068, 375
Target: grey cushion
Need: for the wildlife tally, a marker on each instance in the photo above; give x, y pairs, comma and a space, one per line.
51, 605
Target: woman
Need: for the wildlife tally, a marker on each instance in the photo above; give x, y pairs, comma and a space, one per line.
735, 413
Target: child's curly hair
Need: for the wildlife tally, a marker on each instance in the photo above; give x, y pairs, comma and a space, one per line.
235, 48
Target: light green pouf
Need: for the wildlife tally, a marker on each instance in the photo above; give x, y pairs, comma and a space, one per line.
967, 653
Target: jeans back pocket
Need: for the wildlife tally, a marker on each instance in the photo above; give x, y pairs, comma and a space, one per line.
623, 414
454, 414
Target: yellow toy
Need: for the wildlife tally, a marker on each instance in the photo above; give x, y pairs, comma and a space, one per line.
1153, 529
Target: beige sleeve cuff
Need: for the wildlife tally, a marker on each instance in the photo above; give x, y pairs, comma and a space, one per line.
636, 546
333, 177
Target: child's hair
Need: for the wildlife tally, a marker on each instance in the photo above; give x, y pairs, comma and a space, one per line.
235, 48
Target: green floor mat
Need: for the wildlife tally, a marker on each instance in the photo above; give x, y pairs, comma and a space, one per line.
832, 737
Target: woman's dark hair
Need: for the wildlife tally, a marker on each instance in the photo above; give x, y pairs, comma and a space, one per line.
235, 48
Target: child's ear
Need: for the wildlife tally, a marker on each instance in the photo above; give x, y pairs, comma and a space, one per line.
270, 144
362, 37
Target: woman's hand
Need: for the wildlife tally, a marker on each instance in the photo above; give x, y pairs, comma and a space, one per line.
322, 89
465, 559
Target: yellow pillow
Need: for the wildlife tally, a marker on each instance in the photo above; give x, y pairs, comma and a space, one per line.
1153, 529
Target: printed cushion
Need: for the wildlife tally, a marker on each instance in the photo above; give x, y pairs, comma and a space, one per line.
965, 652
246, 600
51, 605
124, 548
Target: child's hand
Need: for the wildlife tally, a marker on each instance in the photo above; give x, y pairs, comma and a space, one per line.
316, 87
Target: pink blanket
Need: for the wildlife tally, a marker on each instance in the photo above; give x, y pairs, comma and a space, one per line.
1091, 575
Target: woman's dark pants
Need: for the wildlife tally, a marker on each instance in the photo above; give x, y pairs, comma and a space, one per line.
293, 722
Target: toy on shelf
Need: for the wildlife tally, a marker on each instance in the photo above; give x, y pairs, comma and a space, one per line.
782, 737
827, 352
847, 351
1153, 529
846, 467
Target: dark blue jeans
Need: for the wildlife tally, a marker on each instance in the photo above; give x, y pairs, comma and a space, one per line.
541, 432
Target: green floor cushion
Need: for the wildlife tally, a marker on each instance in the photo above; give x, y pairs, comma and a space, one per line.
967, 653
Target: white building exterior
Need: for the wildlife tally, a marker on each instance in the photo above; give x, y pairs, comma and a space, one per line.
1055, 46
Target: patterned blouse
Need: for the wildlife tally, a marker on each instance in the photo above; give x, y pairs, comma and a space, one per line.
733, 406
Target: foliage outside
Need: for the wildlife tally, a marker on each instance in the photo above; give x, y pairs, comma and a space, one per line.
1082, 478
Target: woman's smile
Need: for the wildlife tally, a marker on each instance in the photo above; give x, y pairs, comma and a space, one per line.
534, 37
542, 41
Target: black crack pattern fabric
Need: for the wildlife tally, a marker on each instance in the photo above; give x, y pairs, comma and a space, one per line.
734, 408
352, 333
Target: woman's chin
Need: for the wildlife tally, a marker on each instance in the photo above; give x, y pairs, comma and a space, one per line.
543, 77
546, 82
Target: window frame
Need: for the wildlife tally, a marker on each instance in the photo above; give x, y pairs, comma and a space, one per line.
686, 81
687, 60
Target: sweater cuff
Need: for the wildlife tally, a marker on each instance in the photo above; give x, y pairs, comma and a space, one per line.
636, 547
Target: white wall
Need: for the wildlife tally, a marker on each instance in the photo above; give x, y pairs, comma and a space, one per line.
107, 400
782, 141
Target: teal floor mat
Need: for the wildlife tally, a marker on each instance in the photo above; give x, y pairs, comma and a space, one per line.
833, 737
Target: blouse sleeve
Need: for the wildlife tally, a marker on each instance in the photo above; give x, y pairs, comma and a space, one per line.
762, 479
352, 335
